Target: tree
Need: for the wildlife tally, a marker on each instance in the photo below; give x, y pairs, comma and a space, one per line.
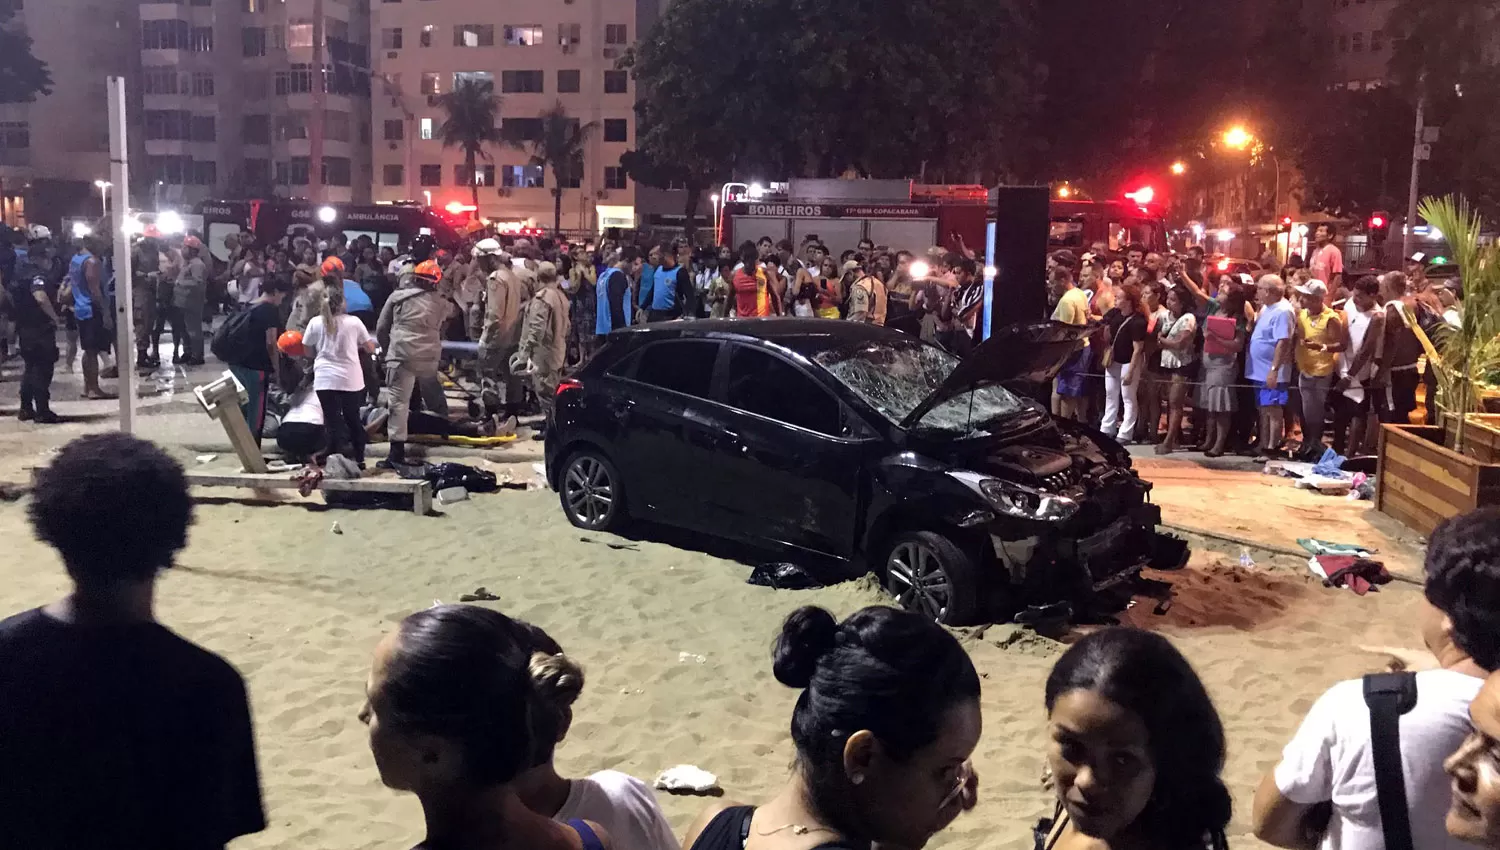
689, 157
560, 149
22, 75
1355, 157
818, 87
1444, 54
471, 111
1160, 83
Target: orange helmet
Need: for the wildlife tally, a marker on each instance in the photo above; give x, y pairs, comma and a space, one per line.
290, 344
333, 265
428, 269
191, 241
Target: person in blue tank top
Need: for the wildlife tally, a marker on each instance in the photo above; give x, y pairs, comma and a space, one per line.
449, 704
91, 307
613, 293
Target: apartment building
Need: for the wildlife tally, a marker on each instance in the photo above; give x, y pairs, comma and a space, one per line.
1356, 35
54, 149
537, 53
230, 95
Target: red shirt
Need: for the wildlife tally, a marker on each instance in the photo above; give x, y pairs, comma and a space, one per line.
750, 297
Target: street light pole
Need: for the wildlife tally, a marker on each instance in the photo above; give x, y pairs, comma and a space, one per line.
1408, 241
103, 186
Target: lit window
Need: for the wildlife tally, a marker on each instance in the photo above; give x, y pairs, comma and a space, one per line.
528, 35
426, 131
427, 35
521, 176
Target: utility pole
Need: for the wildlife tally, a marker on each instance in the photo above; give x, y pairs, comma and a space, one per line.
319, 103
119, 174
1419, 151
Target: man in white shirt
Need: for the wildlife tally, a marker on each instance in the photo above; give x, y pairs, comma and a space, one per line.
1323, 793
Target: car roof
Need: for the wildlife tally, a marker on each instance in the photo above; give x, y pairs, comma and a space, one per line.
805, 336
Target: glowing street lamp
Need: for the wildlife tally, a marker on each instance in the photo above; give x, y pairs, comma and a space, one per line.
1237, 138
103, 187
1179, 168
1064, 192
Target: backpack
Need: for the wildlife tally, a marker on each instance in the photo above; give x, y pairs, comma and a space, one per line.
235, 342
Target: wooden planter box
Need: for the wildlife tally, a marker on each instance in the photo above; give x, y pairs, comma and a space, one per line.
1421, 482
1481, 435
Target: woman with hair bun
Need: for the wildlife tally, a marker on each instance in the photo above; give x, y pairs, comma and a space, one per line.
1135, 748
619, 802
884, 727
449, 704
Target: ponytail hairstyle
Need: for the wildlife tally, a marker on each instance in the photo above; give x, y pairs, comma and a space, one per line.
888, 671
1143, 673
333, 304
556, 682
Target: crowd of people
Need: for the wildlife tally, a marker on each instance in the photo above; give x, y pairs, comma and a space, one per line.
1181, 354
119, 733
1186, 355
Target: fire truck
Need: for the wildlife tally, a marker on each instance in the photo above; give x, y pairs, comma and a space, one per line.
913, 217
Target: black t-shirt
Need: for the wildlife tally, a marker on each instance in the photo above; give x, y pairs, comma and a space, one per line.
21, 288
1127, 332
263, 317
121, 737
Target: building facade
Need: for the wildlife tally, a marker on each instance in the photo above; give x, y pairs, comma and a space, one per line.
230, 100
1356, 37
54, 149
538, 54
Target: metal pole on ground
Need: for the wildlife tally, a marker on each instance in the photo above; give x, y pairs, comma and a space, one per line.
119, 175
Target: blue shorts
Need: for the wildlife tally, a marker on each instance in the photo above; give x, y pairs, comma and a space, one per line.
1272, 398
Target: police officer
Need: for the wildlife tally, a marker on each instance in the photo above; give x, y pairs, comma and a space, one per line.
31, 299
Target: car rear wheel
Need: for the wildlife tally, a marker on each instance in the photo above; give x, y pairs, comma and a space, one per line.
930, 575
591, 492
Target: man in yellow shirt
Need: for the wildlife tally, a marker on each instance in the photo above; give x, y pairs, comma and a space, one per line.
1072, 302
1069, 398
1319, 337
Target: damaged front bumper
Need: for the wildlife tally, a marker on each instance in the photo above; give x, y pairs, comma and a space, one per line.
1064, 565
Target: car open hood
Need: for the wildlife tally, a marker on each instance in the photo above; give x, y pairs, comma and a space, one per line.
1034, 351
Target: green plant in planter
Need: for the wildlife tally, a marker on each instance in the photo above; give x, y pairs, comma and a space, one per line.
1470, 353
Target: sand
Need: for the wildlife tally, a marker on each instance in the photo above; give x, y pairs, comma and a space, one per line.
298, 610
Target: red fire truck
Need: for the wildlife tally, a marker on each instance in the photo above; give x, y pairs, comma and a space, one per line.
914, 217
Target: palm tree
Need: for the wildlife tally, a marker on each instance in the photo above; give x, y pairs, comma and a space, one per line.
1468, 358
558, 146
472, 109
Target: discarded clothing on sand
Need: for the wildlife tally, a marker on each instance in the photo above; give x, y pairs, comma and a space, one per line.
1357, 574
783, 576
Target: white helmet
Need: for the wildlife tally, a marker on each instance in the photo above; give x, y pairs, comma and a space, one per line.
488, 247
37, 231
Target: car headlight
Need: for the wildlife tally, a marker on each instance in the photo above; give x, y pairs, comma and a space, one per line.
1024, 502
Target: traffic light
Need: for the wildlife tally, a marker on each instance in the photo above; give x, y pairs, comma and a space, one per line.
1286, 224
1379, 227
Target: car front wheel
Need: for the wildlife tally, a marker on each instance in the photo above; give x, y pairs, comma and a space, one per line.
591, 492
930, 575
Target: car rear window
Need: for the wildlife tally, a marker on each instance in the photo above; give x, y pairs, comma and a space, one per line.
685, 366
771, 387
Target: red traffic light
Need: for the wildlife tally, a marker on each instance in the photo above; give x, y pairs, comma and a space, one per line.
1286, 221
1378, 221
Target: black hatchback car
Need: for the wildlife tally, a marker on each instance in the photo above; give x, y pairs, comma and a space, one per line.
862, 446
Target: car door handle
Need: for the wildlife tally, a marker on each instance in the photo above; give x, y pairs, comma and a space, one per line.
731, 442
